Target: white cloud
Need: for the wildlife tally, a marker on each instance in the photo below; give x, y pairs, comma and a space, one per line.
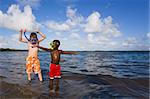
130, 41
100, 32
75, 35
148, 35
90, 37
11, 42
58, 33
32, 3
72, 21
109, 28
133, 43
93, 23
15, 19
3, 42
73, 18
57, 26
99, 36
96, 32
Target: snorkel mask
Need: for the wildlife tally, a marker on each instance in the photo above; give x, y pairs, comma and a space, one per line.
33, 40
54, 44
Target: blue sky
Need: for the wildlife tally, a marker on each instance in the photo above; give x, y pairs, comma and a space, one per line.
78, 24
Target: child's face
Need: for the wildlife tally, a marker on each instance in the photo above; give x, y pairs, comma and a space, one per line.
33, 39
54, 45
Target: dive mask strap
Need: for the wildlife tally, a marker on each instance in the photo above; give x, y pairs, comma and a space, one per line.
26, 36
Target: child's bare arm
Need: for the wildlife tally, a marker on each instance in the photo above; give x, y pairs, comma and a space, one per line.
69, 52
43, 48
20, 37
43, 36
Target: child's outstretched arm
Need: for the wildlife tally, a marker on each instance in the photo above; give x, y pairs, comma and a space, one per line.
43, 48
69, 52
20, 37
43, 36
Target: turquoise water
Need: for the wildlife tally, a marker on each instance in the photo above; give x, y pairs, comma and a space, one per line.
117, 64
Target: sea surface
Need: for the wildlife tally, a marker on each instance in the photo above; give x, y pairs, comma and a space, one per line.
122, 64
87, 75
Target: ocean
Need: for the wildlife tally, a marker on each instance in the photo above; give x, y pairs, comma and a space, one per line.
118, 64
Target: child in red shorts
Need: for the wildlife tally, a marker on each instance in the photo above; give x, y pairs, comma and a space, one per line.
55, 70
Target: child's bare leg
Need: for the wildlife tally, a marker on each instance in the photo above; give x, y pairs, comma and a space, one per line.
40, 76
57, 87
29, 76
57, 84
51, 84
51, 87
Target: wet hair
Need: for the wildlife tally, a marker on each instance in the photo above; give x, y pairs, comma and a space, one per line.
33, 34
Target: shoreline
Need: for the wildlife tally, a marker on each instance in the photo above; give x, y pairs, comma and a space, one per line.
75, 86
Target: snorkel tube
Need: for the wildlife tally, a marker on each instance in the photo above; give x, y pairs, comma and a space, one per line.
26, 36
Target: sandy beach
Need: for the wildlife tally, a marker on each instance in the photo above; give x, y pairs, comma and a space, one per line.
78, 86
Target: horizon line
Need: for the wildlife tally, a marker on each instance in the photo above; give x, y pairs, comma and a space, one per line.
13, 49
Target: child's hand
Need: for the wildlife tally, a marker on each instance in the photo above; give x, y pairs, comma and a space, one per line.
25, 30
21, 30
38, 32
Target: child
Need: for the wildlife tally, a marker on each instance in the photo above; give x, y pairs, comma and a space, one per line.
32, 61
55, 59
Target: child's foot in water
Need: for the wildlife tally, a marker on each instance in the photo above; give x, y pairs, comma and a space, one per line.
52, 92
29, 81
41, 82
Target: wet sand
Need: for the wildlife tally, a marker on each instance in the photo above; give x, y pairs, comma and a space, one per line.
77, 86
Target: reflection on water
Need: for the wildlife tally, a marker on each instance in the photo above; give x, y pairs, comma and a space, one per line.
54, 87
12, 65
118, 64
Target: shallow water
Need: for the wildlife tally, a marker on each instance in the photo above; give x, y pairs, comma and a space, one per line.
130, 71
116, 64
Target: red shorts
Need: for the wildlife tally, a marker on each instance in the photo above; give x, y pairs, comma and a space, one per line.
54, 71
